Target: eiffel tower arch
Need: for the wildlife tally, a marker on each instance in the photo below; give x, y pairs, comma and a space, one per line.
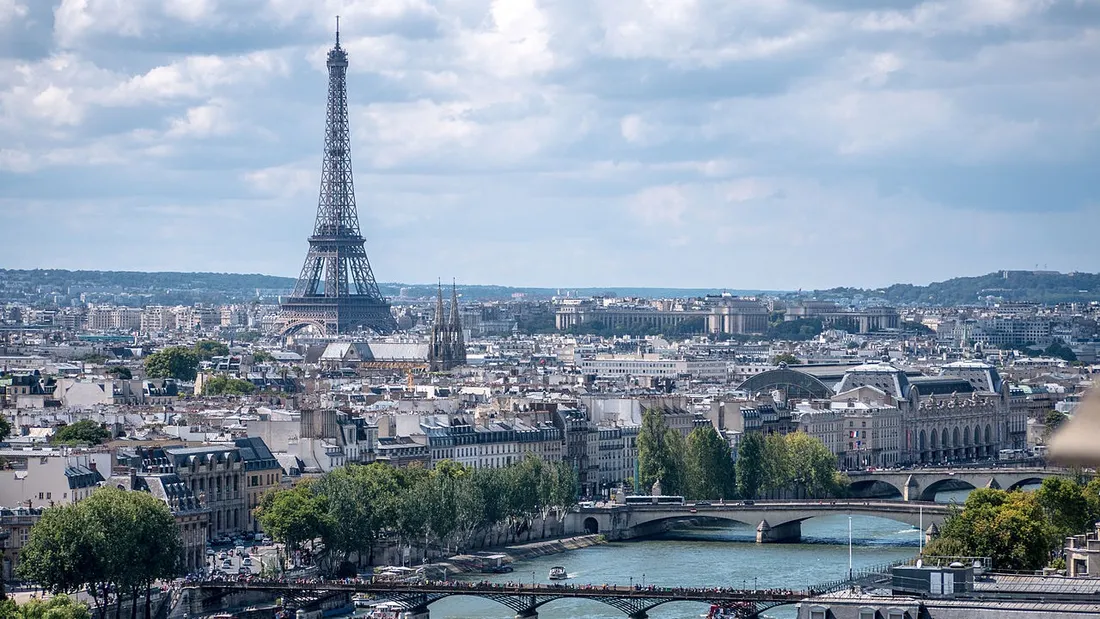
336, 292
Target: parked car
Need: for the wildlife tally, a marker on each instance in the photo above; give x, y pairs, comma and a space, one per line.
247, 561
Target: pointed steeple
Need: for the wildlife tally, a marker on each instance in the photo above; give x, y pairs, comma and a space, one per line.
439, 315
457, 339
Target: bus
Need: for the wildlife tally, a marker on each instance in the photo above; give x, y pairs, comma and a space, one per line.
1012, 454
648, 499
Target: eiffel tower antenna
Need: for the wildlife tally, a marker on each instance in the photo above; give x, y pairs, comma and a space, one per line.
336, 292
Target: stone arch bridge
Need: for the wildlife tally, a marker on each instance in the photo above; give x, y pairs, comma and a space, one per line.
775, 521
923, 484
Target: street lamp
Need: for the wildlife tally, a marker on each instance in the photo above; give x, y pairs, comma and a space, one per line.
643, 581
532, 578
632, 582
849, 547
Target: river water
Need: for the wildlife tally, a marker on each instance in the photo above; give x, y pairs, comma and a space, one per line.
719, 556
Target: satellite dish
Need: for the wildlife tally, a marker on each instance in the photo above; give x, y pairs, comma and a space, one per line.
920, 563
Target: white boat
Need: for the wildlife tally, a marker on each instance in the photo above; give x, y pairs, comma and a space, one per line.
558, 573
385, 610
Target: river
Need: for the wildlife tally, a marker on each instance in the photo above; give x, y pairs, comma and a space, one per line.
720, 556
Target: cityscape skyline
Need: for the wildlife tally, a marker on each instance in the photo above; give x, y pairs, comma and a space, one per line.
941, 132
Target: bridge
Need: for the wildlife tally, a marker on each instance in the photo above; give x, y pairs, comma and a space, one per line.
775, 521
212, 596
923, 484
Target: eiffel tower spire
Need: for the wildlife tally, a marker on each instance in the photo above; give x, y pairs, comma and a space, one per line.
336, 291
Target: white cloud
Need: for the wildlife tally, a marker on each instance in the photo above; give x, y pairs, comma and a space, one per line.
10, 10
711, 126
202, 121
55, 105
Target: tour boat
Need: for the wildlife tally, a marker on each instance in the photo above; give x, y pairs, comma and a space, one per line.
558, 573
385, 610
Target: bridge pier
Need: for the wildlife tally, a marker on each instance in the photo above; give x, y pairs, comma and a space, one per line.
529, 613
786, 532
640, 614
415, 613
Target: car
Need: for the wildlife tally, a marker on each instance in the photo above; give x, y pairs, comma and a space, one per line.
247, 561
210, 552
227, 565
224, 556
244, 570
748, 502
702, 503
239, 551
266, 541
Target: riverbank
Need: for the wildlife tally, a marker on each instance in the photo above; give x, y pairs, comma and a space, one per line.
520, 552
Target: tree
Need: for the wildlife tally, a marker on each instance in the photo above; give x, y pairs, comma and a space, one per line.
292, 516
176, 362
1059, 350
656, 459
778, 471
1066, 507
120, 372
5, 427
262, 356
206, 350
83, 432
750, 465
1009, 527
813, 466
111, 543
786, 357
709, 465
1052, 421
57, 607
226, 385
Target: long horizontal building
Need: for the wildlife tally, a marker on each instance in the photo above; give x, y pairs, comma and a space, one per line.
652, 365
719, 315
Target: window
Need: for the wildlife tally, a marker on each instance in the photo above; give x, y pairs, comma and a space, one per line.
867, 613
896, 613
818, 613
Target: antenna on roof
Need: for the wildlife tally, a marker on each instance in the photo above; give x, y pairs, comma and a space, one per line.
337, 31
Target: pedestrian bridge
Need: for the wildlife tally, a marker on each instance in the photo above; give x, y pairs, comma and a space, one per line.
924, 484
775, 521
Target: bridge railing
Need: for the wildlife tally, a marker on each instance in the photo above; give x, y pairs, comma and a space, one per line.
881, 569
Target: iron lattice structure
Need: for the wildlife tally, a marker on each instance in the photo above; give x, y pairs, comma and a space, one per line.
336, 291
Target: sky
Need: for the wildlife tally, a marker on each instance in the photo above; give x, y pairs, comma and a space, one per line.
748, 144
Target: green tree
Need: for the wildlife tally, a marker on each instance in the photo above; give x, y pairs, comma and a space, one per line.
5, 427
292, 516
262, 356
1009, 527
786, 357
120, 372
749, 468
778, 471
657, 458
1052, 421
226, 385
206, 350
62, 552
813, 466
83, 432
709, 465
1066, 507
176, 362
57, 607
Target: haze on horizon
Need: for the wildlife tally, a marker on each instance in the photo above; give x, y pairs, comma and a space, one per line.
768, 144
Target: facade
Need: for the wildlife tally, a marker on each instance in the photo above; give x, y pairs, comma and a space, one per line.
15, 530
1083, 554
867, 320
262, 473
652, 365
192, 517
45, 477
719, 315
213, 473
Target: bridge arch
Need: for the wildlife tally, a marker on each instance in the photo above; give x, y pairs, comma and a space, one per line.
866, 488
1027, 481
591, 525
929, 492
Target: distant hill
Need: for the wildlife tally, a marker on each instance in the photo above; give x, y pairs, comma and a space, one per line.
1035, 286
139, 288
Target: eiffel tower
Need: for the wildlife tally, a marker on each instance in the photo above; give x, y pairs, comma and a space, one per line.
336, 292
